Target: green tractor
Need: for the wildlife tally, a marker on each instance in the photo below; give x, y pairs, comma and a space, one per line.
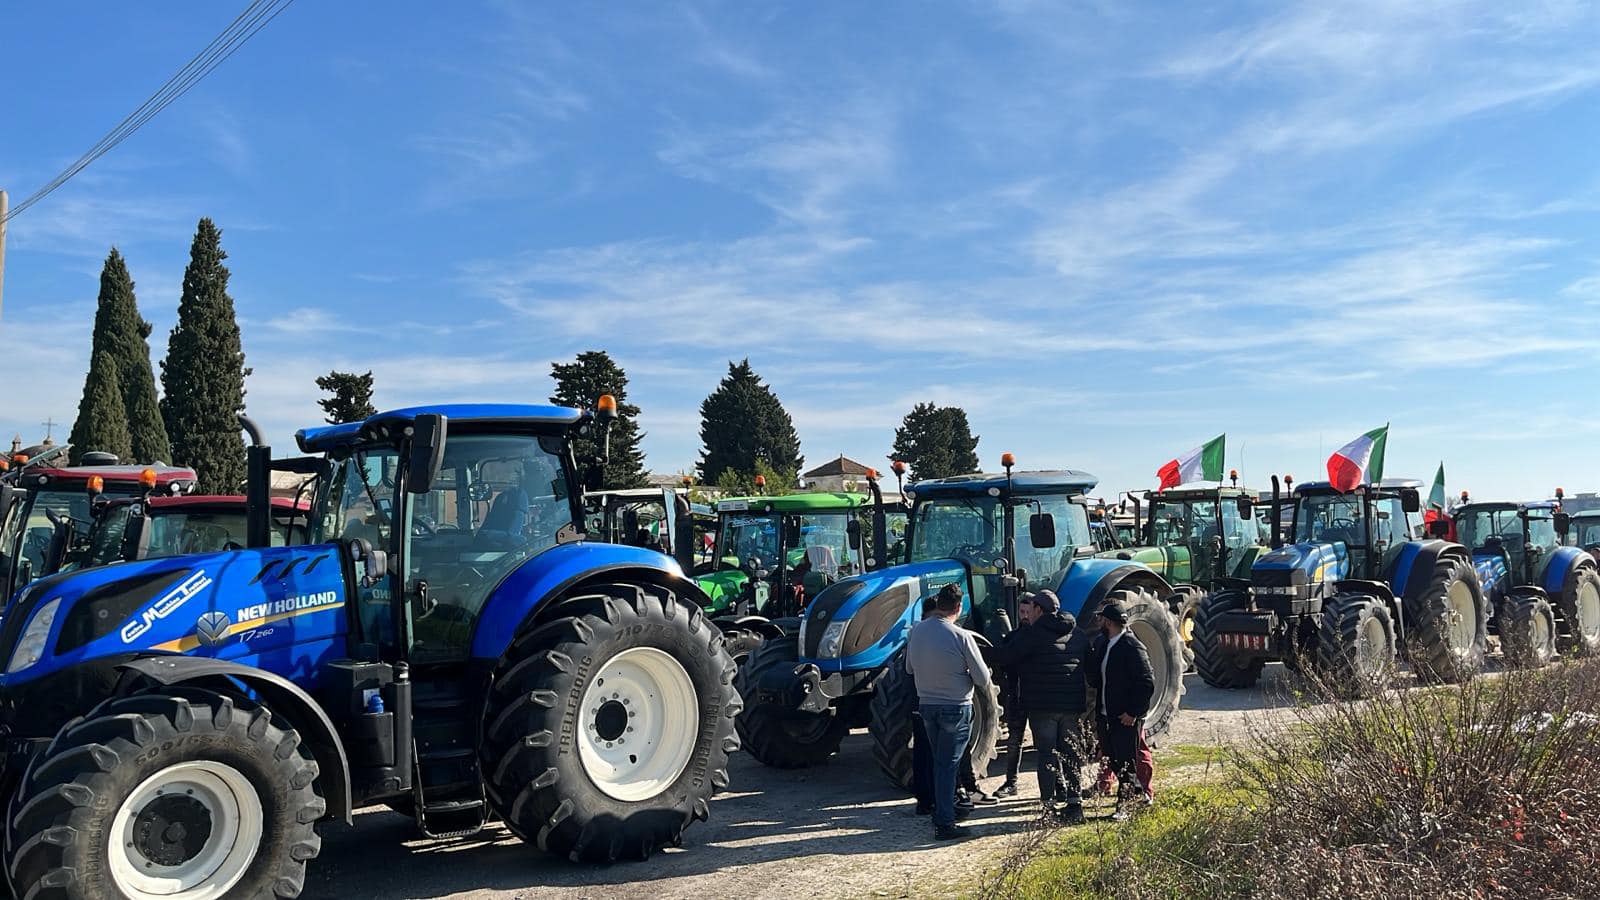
1194, 536
773, 555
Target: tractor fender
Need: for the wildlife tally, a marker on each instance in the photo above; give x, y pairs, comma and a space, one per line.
283, 697
523, 597
1412, 571
1562, 569
1086, 583
759, 624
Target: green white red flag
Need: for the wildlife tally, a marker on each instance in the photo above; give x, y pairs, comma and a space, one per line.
1436, 496
1358, 462
1203, 463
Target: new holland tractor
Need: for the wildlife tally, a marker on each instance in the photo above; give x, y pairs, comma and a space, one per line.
1195, 535
996, 536
444, 643
1352, 592
1545, 597
774, 555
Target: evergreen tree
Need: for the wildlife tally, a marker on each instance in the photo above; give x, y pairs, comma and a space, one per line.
741, 422
203, 374
936, 442
352, 397
122, 334
102, 423
580, 384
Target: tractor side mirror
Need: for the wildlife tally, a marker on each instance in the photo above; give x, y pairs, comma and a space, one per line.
8, 496
1562, 521
853, 529
1246, 507
1042, 531
427, 452
1439, 528
1410, 500
630, 524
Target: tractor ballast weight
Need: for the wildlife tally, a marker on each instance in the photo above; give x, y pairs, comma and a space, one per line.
995, 536
480, 662
1353, 593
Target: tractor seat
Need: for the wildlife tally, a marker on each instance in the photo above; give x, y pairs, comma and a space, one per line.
507, 518
1347, 536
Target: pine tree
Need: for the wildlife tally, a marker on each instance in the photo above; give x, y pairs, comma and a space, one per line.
936, 442
203, 374
352, 397
102, 424
743, 421
580, 384
121, 333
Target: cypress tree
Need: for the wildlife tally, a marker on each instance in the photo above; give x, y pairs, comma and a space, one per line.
741, 422
580, 384
102, 424
936, 442
203, 374
352, 397
121, 333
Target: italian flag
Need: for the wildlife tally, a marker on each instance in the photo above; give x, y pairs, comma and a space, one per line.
1358, 462
1203, 463
1436, 496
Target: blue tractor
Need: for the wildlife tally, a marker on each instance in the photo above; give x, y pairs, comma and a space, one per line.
996, 536
1352, 589
447, 643
1545, 597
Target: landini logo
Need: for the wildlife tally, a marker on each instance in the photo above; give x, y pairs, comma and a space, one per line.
166, 606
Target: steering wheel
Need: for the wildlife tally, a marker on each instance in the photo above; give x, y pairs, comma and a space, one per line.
1342, 523
972, 551
423, 526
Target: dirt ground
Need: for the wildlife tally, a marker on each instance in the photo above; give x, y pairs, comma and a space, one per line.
839, 830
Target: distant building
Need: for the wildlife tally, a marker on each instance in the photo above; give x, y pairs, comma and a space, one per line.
842, 474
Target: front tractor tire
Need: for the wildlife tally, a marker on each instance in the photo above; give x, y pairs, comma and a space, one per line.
1216, 665
1152, 623
894, 700
1356, 649
740, 643
778, 736
189, 795
1185, 605
608, 728
1450, 624
1580, 614
1527, 626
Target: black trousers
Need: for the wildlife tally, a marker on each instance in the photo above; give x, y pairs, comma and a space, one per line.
1057, 741
1121, 746
1016, 727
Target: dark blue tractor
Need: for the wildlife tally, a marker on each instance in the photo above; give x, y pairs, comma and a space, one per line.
1353, 589
1545, 597
447, 644
996, 536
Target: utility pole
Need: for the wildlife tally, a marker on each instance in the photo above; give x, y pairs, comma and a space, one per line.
3, 208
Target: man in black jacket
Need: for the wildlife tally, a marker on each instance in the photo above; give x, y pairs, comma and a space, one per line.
1046, 655
1122, 677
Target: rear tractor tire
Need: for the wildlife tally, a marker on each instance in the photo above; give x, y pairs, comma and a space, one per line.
186, 795
1450, 624
1580, 613
778, 737
1215, 664
1356, 650
894, 700
607, 729
1528, 631
1151, 622
1185, 605
740, 643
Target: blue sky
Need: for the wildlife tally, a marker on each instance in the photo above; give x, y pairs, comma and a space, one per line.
1109, 230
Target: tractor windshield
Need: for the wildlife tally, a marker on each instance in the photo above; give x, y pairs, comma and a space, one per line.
1476, 527
973, 528
28, 532
816, 544
1542, 530
1330, 518
1586, 531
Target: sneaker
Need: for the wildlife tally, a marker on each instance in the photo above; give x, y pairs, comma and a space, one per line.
1070, 815
979, 798
951, 833
1122, 814
1009, 789
964, 801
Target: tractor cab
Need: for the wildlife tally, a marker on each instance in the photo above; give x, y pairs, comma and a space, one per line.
654, 518
43, 505
1196, 533
1511, 543
134, 528
1585, 531
1338, 535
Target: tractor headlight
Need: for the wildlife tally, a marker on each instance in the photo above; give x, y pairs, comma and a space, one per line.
31, 648
832, 639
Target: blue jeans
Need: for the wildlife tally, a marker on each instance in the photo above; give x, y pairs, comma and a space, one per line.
948, 725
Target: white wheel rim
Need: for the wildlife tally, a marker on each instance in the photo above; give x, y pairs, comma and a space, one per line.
640, 718
1372, 647
1543, 635
157, 847
1589, 610
1463, 625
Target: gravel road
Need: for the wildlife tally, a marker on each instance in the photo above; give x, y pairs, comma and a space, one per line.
838, 830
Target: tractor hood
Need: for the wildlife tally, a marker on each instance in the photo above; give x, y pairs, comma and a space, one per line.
722, 587
1492, 572
859, 622
1298, 565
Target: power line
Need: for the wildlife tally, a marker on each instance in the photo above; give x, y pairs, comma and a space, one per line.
255, 17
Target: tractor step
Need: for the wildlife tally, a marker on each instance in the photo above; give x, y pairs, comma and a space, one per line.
452, 818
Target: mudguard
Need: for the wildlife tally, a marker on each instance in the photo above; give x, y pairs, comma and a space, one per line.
759, 624
1085, 584
520, 597
1412, 570
282, 697
1561, 567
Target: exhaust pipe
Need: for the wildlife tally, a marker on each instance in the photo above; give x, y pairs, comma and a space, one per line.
1277, 515
257, 487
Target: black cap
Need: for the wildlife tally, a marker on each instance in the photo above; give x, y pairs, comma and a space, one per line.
1045, 600
1114, 612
